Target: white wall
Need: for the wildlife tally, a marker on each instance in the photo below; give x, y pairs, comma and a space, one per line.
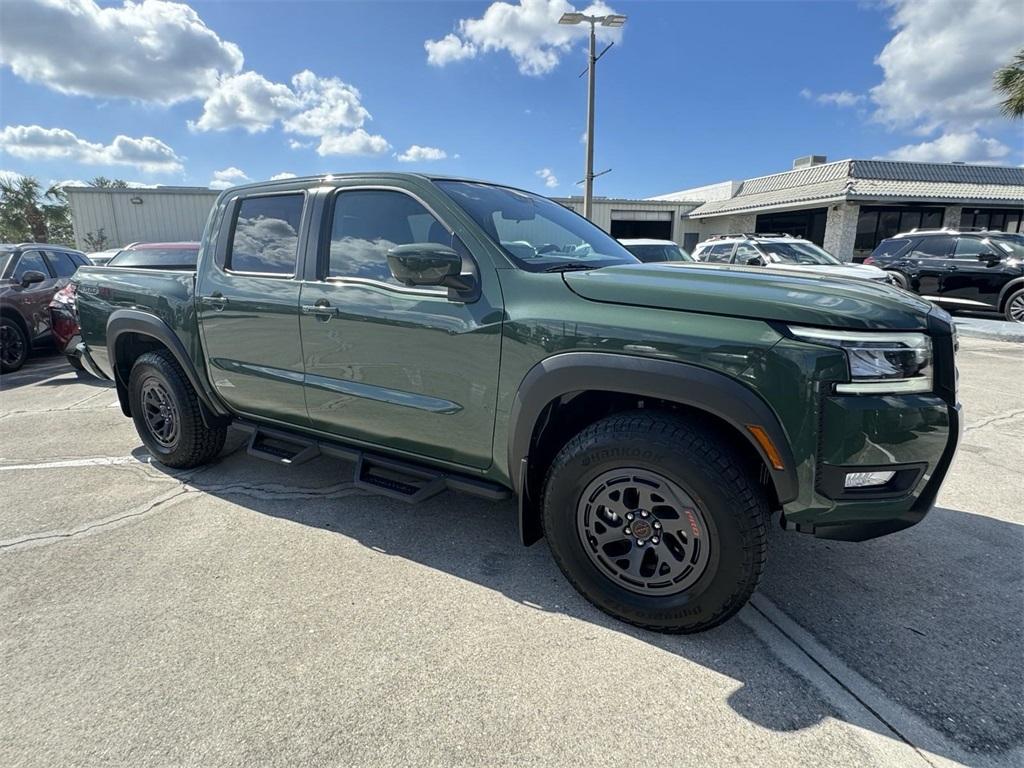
161, 216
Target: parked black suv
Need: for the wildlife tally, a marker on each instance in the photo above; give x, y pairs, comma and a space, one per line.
973, 269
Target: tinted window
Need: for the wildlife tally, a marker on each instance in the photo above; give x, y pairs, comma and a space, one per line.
369, 223
745, 253
799, 253
62, 264
29, 261
266, 235
971, 247
157, 258
720, 254
890, 249
933, 247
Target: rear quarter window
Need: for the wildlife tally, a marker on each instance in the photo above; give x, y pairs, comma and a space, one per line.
891, 249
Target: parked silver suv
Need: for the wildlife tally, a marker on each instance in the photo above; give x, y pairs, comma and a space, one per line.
780, 252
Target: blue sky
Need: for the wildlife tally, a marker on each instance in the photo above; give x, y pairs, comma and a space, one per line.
692, 92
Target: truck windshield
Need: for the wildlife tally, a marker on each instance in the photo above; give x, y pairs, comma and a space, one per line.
538, 234
798, 253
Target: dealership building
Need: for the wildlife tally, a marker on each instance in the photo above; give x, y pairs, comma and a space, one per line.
848, 206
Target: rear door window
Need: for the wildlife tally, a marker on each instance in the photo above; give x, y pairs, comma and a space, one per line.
933, 247
720, 254
61, 263
265, 236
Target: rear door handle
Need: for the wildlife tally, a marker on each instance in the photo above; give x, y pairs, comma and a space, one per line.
216, 300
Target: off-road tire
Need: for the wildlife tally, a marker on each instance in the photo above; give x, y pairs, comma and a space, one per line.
1009, 309
708, 469
20, 340
195, 443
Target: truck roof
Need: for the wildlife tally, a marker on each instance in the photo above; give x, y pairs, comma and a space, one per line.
368, 175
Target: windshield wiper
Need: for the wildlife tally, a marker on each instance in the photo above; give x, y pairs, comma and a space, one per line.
567, 267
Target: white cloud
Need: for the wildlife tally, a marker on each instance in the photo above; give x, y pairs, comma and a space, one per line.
154, 51
417, 154
35, 142
294, 144
282, 175
357, 142
247, 101
550, 180
322, 107
228, 177
938, 66
529, 31
11, 177
69, 183
448, 49
835, 98
966, 147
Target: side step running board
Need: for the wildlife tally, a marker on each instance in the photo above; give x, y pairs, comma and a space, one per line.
280, 447
394, 478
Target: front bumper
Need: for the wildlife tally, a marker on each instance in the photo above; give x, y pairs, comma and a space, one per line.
915, 436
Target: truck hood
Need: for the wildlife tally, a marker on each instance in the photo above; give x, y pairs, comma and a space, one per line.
803, 297
863, 271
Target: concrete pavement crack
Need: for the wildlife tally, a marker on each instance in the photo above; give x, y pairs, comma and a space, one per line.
994, 419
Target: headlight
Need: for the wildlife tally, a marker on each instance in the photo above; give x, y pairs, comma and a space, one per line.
879, 362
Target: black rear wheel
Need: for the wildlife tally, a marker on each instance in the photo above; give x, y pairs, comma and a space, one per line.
167, 413
656, 521
13, 345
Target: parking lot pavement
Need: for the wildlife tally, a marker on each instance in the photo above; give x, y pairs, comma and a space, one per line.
249, 614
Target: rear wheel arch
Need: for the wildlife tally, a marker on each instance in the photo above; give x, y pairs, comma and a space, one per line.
1008, 290
566, 393
131, 334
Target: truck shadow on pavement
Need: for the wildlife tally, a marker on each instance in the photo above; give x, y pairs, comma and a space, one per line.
931, 616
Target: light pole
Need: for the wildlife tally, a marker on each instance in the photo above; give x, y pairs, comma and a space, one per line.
613, 20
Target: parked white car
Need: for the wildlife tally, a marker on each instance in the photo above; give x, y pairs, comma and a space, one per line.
650, 250
781, 252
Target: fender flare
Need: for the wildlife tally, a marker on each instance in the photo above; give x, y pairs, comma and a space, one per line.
682, 383
124, 321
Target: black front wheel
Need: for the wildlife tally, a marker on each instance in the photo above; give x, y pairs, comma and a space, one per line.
167, 413
1014, 311
656, 521
13, 346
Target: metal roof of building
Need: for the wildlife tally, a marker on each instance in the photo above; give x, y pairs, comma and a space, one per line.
873, 179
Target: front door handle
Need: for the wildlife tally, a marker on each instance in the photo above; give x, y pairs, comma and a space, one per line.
216, 300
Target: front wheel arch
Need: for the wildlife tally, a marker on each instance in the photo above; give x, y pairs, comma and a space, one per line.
597, 384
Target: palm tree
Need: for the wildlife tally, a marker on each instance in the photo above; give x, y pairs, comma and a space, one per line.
1010, 83
28, 213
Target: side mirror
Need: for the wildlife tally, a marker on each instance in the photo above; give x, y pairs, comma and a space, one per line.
990, 257
31, 277
425, 264
755, 261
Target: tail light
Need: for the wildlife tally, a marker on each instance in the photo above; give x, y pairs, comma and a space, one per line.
868, 260
66, 296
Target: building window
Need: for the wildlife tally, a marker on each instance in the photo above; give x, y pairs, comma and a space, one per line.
877, 222
1002, 219
808, 224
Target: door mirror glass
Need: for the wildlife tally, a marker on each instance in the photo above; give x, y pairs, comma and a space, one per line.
424, 264
31, 277
755, 261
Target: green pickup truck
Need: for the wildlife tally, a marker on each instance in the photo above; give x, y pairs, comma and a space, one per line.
447, 334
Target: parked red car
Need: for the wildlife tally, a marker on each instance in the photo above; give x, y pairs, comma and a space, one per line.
30, 274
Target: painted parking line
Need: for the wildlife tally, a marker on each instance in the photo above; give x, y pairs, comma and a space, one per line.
99, 461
